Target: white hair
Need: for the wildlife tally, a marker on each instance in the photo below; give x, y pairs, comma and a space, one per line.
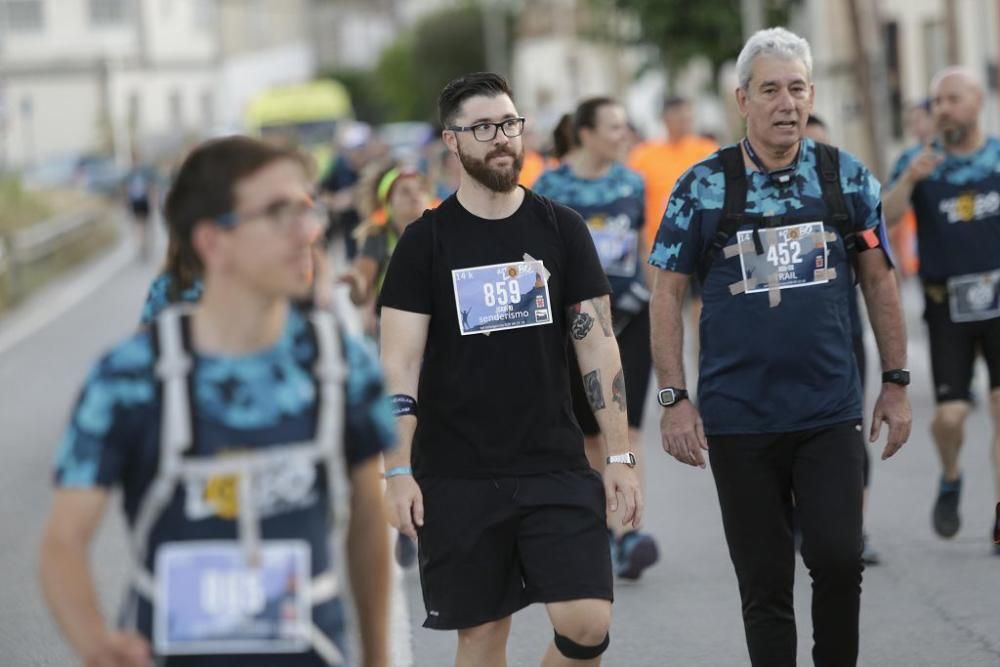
777, 42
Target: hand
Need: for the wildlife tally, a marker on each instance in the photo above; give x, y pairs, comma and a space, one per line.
357, 284
893, 408
923, 165
683, 434
119, 649
621, 479
405, 504
322, 279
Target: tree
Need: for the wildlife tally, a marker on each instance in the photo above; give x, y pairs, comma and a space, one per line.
440, 47
683, 29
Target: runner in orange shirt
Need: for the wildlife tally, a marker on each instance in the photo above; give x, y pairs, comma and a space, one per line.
661, 163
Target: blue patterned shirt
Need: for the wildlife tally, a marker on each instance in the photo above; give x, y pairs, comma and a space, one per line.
158, 297
958, 212
613, 206
770, 369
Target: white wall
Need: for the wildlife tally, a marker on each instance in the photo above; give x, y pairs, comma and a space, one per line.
67, 34
64, 117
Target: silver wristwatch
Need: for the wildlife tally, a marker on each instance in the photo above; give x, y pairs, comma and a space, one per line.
628, 458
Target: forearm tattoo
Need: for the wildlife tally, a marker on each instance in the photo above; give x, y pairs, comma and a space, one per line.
595, 392
603, 310
580, 323
618, 390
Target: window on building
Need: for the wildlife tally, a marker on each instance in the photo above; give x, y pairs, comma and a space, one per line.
207, 108
893, 73
204, 14
22, 15
175, 110
134, 112
935, 49
109, 12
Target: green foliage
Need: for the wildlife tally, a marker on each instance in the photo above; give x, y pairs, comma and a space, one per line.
442, 46
19, 208
397, 73
366, 93
682, 29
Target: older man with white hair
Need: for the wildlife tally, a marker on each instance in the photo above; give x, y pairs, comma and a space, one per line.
954, 187
776, 228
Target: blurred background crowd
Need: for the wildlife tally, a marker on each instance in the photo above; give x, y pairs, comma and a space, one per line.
103, 97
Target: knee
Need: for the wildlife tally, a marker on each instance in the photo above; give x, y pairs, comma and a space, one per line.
485, 635
587, 622
949, 419
839, 560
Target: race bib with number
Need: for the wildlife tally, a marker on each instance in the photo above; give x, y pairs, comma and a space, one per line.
209, 599
794, 256
502, 296
975, 297
618, 250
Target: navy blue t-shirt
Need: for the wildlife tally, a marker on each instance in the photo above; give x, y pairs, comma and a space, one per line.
958, 213
770, 369
613, 206
267, 399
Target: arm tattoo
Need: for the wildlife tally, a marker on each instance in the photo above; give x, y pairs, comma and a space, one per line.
618, 390
581, 325
603, 311
595, 392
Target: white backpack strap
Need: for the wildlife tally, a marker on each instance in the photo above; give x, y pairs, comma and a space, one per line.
172, 368
331, 375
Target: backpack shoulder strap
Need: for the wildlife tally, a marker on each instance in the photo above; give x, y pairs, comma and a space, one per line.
828, 167
733, 208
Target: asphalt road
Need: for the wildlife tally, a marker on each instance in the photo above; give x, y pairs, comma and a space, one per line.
932, 603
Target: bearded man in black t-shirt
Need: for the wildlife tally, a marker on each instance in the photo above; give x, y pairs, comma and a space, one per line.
479, 301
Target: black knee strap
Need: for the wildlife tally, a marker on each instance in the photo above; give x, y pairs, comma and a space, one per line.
574, 651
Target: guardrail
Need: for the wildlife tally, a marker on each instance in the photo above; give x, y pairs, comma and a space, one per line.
32, 244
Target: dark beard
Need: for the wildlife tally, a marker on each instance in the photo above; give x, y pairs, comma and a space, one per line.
501, 181
956, 135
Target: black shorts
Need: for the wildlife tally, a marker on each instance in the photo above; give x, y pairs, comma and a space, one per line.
490, 547
637, 362
954, 346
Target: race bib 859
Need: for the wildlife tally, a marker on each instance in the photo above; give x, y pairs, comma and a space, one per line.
501, 296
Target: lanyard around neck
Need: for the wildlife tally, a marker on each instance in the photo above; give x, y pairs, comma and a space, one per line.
781, 176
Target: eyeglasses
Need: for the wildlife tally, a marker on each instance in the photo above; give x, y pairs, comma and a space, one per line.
281, 214
512, 127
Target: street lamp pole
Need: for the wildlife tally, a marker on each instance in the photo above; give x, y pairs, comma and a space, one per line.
752, 16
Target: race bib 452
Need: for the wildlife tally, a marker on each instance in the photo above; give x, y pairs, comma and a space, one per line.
793, 256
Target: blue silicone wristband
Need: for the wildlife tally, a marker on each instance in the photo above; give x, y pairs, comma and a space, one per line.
397, 471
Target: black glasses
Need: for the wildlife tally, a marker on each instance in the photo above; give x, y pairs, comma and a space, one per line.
281, 214
512, 127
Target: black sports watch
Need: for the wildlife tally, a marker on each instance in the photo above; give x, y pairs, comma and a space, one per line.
900, 376
671, 396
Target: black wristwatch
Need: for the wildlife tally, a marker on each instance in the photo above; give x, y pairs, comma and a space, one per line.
900, 376
671, 396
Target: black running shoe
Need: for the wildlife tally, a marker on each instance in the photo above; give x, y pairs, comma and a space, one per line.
946, 520
636, 552
869, 555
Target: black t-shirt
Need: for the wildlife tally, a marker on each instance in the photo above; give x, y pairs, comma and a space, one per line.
496, 404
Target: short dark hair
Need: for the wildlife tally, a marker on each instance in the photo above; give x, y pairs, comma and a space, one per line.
585, 115
466, 86
815, 121
204, 188
674, 101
